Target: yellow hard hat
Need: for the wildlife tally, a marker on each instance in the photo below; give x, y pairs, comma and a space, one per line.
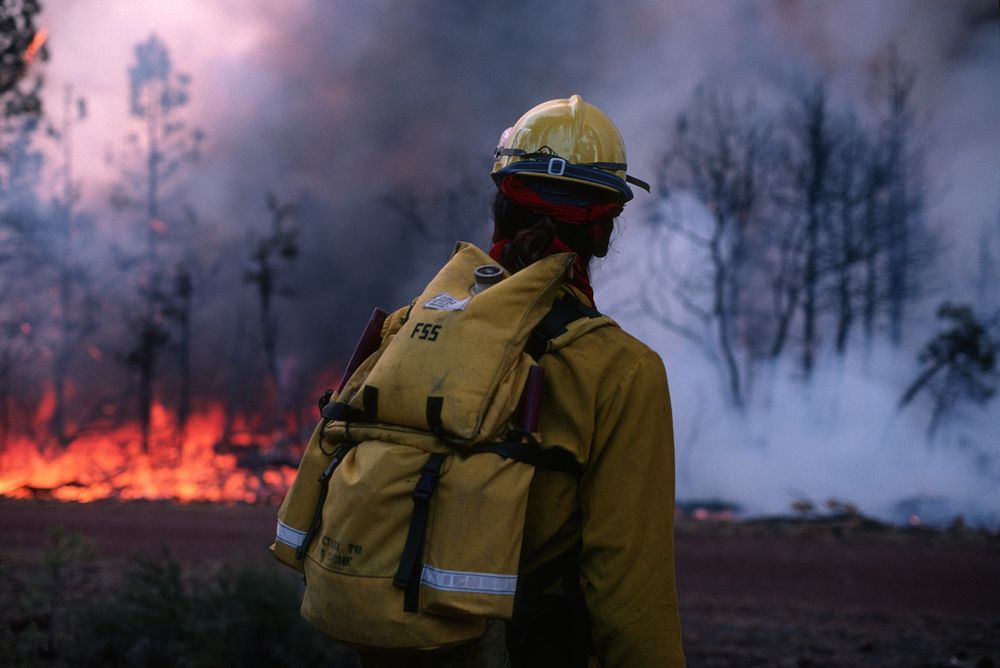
569, 140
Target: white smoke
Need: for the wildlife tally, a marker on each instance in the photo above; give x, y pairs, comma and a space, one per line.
841, 436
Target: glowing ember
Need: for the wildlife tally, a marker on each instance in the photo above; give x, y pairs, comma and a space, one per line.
112, 464
36, 44
705, 514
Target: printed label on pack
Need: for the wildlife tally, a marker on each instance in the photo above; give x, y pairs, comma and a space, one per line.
445, 302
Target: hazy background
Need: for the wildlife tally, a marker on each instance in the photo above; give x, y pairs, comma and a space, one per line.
379, 119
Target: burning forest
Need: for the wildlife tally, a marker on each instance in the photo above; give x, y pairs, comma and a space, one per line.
204, 463
104, 392
186, 261
200, 204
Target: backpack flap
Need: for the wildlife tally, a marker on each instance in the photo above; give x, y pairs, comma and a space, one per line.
457, 366
379, 556
354, 559
474, 540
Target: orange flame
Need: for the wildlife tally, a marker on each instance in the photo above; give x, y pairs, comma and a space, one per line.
112, 464
37, 42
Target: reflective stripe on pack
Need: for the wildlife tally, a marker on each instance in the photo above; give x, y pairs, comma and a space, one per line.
463, 581
289, 536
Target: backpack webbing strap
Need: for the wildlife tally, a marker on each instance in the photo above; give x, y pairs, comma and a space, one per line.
369, 400
324, 401
324, 487
548, 625
434, 407
552, 458
567, 309
341, 411
408, 575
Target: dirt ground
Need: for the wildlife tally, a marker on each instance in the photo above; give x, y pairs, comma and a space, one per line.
822, 592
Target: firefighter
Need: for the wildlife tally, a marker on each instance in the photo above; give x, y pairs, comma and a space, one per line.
597, 570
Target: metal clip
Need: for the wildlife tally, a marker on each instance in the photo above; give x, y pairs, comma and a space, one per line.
557, 166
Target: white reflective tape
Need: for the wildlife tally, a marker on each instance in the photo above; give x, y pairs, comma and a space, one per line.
469, 582
290, 536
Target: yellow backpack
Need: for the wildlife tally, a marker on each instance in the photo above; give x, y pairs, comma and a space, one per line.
407, 513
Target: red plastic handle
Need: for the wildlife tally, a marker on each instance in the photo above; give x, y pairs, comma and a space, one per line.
367, 344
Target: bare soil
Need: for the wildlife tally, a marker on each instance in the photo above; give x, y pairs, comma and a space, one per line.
815, 595
823, 592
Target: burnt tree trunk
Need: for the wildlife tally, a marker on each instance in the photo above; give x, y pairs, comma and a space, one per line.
184, 290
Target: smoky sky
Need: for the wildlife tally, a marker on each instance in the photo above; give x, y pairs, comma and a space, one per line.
349, 100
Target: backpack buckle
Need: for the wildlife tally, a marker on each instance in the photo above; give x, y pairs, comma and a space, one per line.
424, 488
422, 492
557, 166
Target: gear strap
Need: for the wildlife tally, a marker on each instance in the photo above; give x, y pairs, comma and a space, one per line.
408, 574
324, 488
565, 311
549, 628
550, 458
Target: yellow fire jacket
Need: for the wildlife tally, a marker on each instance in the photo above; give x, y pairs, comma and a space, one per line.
606, 399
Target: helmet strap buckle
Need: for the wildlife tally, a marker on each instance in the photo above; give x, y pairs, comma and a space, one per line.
557, 166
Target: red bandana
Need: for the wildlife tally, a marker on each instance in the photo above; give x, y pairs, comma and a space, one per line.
590, 214
593, 215
580, 279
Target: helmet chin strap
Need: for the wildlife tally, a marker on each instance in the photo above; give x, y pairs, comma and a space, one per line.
637, 182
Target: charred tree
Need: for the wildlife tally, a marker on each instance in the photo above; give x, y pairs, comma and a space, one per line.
17, 343
23, 44
154, 158
717, 156
848, 188
150, 337
23, 256
817, 157
183, 290
20, 108
873, 246
837, 253
809, 223
270, 255
959, 363
909, 248
75, 301
808, 168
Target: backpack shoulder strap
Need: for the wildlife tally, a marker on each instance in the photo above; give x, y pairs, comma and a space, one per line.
566, 311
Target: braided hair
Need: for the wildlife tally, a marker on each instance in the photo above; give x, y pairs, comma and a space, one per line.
532, 233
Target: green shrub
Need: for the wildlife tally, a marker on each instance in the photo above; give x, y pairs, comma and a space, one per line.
237, 615
38, 603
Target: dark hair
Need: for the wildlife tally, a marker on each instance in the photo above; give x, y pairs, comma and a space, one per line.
531, 233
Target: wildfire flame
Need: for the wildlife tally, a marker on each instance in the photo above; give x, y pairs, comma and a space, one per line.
112, 464
37, 42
